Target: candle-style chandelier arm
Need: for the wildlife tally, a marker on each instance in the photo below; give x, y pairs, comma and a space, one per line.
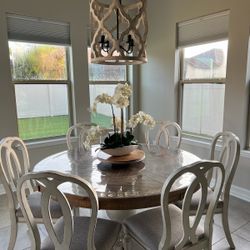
123, 43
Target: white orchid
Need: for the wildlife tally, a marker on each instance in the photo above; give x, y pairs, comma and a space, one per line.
92, 135
120, 99
103, 98
141, 118
123, 90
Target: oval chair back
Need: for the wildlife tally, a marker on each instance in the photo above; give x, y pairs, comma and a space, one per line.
228, 155
14, 163
198, 172
50, 182
168, 134
75, 136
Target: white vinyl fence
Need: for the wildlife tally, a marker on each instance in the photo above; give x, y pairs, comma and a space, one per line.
41, 100
52, 100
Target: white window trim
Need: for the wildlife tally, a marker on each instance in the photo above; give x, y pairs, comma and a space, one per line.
39, 142
192, 81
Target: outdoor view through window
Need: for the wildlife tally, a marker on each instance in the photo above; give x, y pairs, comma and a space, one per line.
39, 72
203, 79
103, 79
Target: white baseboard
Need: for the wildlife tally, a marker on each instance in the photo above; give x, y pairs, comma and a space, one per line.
241, 193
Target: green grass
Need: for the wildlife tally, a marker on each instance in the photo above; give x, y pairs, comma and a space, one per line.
101, 120
43, 127
51, 126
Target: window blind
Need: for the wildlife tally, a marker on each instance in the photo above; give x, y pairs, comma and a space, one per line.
37, 30
203, 29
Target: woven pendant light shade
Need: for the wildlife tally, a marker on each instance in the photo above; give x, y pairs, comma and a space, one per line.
118, 31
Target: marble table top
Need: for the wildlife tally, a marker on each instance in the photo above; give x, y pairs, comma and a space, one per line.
126, 186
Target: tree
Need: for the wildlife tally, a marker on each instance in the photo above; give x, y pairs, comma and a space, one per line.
39, 62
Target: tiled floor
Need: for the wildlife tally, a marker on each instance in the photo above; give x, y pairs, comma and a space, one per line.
239, 224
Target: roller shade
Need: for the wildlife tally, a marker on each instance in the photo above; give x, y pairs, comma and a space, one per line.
203, 29
37, 30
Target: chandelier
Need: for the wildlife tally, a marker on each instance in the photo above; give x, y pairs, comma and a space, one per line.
118, 31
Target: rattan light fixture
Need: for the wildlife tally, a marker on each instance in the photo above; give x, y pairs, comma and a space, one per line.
118, 31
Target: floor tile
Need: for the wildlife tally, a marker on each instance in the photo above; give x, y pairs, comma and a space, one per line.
240, 244
239, 214
3, 201
239, 219
4, 218
218, 234
23, 238
244, 232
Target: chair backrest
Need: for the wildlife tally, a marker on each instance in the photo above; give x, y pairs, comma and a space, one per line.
169, 134
14, 162
199, 172
229, 153
76, 135
51, 182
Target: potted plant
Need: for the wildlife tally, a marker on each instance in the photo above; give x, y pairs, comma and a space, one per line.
120, 141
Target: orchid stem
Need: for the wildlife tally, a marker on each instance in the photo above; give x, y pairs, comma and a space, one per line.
113, 116
122, 123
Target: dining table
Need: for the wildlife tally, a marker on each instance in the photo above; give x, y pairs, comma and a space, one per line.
128, 185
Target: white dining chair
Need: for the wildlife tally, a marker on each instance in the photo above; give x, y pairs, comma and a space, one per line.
168, 227
75, 136
168, 134
69, 232
14, 162
228, 146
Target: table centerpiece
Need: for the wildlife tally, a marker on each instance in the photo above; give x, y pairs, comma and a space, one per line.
121, 140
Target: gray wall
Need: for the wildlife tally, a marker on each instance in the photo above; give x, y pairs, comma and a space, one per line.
76, 13
159, 77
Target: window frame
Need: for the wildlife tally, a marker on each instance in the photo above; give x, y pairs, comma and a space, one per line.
67, 82
128, 109
107, 82
183, 81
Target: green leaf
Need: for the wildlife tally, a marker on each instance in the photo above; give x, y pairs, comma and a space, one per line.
115, 140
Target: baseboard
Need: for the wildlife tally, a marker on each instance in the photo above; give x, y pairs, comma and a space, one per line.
241, 193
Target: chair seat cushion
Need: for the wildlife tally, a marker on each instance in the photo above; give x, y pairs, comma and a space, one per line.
34, 200
146, 227
196, 199
106, 234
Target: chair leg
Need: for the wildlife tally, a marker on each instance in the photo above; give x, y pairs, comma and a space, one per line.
226, 226
13, 232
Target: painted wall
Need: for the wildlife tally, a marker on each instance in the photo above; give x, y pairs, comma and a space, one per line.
159, 77
76, 13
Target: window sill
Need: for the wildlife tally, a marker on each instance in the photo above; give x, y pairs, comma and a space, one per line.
206, 143
196, 141
245, 153
46, 143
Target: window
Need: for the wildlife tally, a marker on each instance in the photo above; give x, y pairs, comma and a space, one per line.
203, 87
39, 73
39, 67
103, 79
203, 45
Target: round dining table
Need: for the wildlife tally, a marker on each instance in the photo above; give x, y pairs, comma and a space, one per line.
131, 185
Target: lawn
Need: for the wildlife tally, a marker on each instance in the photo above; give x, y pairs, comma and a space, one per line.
43, 127
101, 120
51, 126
